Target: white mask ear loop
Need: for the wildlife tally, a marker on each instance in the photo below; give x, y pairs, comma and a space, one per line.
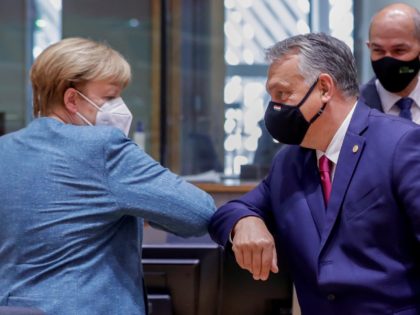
87, 122
89, 100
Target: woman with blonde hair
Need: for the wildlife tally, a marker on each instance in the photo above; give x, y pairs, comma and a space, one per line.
75, 190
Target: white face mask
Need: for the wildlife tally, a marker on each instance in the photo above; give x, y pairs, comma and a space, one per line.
112, 113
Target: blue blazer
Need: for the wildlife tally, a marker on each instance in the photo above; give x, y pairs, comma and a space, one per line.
361, 254
73, 199
369, 95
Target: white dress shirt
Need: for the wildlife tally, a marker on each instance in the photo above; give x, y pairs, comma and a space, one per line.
334, 148
388, 100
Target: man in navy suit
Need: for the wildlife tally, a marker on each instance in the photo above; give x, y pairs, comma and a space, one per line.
342, 200
394, 44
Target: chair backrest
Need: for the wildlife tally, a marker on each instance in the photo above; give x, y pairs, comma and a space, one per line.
15, 310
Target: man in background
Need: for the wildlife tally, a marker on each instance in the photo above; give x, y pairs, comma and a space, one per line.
394, 44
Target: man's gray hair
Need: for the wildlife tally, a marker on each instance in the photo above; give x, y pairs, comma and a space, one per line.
320, 53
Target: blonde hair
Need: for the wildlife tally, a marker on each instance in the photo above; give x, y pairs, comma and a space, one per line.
73, 61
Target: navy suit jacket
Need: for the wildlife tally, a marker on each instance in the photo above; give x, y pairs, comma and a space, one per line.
369, 95
361, 254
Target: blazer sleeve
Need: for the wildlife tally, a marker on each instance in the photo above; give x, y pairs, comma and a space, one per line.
406, 174
142, 187
254, 203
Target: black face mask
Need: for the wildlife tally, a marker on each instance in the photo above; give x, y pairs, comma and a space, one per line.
394, 74
286, 123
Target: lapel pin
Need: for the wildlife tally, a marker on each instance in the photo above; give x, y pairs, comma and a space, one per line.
355, 148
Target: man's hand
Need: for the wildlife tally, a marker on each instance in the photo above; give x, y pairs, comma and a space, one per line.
254, 247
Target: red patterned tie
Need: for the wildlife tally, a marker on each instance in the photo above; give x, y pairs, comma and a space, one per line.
325, 167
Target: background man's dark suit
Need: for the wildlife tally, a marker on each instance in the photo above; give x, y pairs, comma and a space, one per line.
369, 95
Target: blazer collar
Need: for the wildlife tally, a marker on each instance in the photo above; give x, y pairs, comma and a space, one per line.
369, 95
350, 153
324, 218
360, 120
311, 185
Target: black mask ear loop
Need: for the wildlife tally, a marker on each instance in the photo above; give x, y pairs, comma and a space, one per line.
307, 93
321, 110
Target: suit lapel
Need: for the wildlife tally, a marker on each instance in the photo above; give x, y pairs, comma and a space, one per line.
313, 190
369, 94
350, 153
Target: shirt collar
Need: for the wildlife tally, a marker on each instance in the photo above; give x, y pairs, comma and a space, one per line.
333, 149
388, 99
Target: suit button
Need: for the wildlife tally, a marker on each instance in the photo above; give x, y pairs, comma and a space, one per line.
331, 297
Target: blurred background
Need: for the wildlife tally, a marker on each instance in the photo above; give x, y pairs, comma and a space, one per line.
198, 94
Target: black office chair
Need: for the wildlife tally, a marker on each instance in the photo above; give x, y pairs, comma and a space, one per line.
15, 310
